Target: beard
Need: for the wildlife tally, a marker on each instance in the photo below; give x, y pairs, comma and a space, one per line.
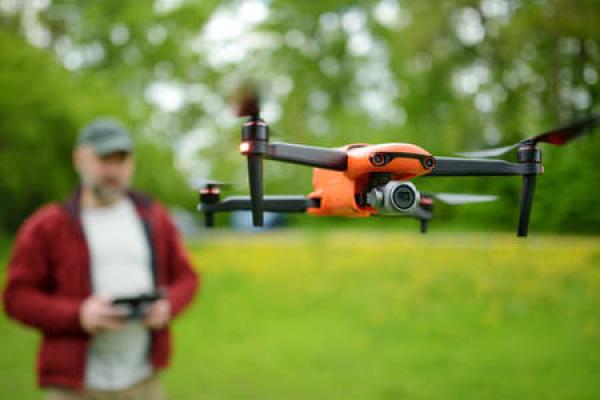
106, 195
106, 192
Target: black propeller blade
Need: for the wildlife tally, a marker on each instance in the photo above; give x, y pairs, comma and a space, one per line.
557, 137
247, 102
563, 135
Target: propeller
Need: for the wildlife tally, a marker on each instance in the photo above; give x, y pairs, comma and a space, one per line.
247, 102
255, 137
426, 203
557, 137
201, 184
529, 153
455, 198
458, 198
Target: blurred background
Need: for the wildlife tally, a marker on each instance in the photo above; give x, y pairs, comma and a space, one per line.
447, 75
361, 313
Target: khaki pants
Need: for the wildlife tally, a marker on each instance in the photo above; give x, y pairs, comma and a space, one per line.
148, 389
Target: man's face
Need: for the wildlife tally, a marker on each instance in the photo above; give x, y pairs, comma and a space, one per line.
107, 176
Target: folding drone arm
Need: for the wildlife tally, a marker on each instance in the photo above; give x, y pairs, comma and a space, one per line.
320, 157
270, 203
529, 165
289, 204
421, 214
424, 216
450, 166
256, 147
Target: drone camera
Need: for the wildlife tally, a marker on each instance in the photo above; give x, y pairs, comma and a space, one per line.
394, 198
403, 196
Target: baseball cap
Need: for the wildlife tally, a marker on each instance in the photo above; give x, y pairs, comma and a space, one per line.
106, 136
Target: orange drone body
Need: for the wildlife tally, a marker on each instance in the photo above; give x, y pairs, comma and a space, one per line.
337, 190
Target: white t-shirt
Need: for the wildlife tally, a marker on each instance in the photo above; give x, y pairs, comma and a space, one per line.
120, 266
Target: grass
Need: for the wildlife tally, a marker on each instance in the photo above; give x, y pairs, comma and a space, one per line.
361, 315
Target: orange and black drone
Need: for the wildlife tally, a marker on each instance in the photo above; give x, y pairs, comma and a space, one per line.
363, 180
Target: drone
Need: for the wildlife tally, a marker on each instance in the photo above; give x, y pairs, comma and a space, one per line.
364, 180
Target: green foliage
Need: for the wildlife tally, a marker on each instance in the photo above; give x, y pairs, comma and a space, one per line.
42, 108
39, 117
168, 186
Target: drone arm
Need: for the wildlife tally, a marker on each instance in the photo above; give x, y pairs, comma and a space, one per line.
308, 155
526, 203
270, 203
422, 214
529, 166
450, 166
423, 225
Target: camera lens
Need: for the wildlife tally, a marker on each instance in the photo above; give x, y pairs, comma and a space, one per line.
403, 197
394, 198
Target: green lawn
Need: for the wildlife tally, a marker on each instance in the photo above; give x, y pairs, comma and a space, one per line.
359, 315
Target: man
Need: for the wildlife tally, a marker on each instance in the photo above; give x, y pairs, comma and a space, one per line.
71, 260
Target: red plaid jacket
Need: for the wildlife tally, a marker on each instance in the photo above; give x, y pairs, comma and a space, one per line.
49, 277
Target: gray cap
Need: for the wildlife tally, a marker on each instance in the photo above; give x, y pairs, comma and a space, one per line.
106, 136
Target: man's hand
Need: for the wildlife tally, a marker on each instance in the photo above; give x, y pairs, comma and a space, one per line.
159, 314
98, 314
